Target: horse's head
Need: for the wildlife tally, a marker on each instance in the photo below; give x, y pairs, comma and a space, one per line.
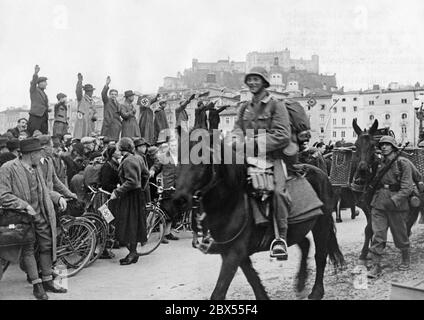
364, 157
205, 168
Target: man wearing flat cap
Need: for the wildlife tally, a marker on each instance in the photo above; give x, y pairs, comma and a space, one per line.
161, 123
23, 187
21, 130
127, 111
112, 123
86, 111
60, 125
38, 114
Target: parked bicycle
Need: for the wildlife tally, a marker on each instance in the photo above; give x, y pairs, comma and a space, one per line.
76, 241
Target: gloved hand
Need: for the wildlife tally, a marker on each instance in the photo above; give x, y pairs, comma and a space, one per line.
388, 204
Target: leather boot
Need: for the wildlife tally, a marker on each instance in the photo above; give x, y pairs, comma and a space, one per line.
406, 260
50, 287
39, 292
375, 271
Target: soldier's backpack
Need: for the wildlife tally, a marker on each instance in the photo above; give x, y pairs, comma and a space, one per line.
299, 120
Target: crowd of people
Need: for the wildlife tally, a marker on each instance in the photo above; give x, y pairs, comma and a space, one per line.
41, 170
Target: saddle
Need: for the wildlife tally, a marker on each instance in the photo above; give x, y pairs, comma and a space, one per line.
302, 201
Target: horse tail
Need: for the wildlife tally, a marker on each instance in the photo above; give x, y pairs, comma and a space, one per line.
336, 256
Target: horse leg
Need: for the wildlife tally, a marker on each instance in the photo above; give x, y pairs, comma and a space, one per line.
353, 212
339, 211
368, 237
253, 279
302, 275
321, 235
230, 262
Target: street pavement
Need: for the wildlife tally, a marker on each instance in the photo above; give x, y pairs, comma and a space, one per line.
177, 271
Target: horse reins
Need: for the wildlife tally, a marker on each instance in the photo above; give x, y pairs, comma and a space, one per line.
201, 214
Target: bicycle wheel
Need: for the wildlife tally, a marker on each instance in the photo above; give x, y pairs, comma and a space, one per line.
155, 224
75, 246
101, 235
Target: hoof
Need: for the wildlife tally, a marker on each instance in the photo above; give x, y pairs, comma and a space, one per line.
315, 295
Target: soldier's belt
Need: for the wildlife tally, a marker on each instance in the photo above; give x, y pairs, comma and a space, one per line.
391, 187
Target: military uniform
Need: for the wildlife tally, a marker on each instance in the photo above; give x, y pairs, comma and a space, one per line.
390, 207
396, 185
272, 116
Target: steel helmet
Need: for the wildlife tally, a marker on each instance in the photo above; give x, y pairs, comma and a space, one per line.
390, 140
258, 71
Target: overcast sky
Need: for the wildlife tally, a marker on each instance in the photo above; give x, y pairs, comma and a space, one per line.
138, 42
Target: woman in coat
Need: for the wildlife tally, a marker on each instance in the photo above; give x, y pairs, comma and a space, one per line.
131, 221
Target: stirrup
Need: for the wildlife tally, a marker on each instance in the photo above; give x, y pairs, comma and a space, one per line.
278, 256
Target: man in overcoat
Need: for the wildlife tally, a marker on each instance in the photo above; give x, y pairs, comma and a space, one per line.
21, 130
112, 123
160, 122
38, 114
23, 187
130, 128
146, 124
86, 111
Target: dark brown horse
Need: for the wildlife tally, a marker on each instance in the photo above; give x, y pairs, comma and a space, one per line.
364, 167
223, 189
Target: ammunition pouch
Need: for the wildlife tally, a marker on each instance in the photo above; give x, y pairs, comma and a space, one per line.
260, 178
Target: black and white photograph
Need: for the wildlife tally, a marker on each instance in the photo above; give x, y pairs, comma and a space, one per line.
233, 150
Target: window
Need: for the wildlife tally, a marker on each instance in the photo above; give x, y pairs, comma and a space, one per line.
343, 109
343, 121
334, 122
355, 99
344, 99
227, 120
404, 100
355, 109
322, 130
323, 107
335, 109
386, 101
334, 134
321, 118
404, 130
343, 134
371, 117
371, 102
404, 116
387, 116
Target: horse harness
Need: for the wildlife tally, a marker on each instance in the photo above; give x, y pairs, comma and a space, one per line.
207, 241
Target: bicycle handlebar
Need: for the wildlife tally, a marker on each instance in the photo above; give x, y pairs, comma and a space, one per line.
93, 190
162, 188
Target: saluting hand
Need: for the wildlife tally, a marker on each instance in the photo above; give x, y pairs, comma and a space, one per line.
37, 69
108, 80
80, 77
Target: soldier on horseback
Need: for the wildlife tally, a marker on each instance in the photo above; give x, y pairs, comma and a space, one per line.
265, 113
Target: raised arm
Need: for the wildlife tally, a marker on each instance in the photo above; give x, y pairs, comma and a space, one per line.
105, 91
78, 90
33, 85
